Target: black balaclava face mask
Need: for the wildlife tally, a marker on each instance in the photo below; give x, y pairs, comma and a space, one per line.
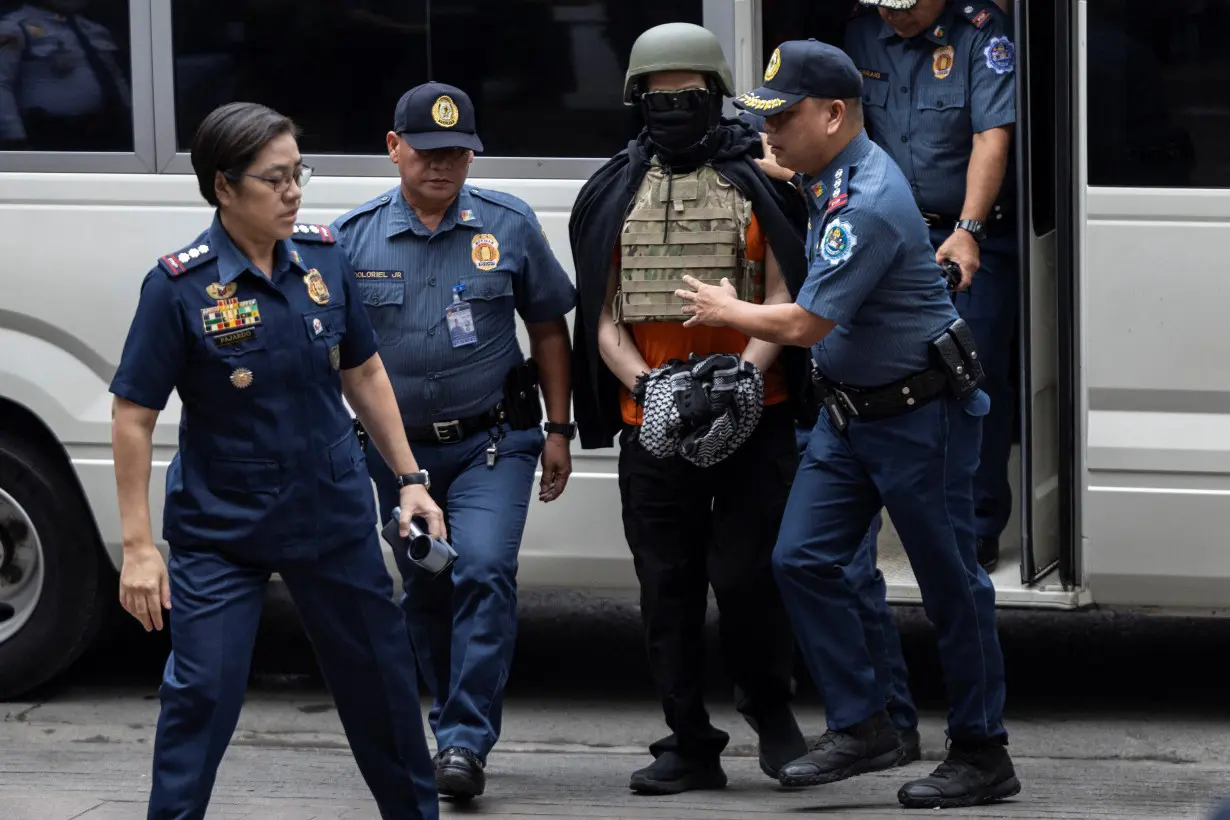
680, 124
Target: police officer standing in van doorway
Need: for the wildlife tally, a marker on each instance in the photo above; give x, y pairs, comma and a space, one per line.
444, 269
900, 429
939, 94
705, 416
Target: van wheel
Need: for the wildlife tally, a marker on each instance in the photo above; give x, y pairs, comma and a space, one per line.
50, 596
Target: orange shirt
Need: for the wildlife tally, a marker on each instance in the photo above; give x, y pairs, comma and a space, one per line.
659, 342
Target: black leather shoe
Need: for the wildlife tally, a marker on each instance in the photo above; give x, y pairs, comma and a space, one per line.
459, 773
781, 739
870, 746
969, 777
988, 553
674, 774
911, 746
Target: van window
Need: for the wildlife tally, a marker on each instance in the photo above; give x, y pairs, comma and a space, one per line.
1159, 93
65, 77
546, 78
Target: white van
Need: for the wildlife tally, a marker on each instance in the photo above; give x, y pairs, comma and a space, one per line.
1122, 482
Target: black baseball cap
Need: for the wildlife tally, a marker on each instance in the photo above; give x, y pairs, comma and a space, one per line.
435, 115
799, 69
897, 5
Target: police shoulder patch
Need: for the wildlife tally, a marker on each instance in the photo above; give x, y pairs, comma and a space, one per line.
314, 233
838, 243
1000, 54
182, 261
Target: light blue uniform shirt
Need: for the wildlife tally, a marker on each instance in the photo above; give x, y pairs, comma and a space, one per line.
872, 271
925, 98
489, 241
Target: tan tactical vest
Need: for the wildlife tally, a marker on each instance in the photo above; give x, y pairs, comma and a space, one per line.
694, 225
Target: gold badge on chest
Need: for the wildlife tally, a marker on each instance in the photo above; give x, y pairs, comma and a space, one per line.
316, 287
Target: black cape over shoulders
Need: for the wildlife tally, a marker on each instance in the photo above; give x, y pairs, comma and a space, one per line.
594, 228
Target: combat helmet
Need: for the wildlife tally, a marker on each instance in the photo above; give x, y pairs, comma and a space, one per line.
678, 47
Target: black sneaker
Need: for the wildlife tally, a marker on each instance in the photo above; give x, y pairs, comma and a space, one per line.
911, 746
674, 774
459, 774
969, 777
781, 740
988, 553
870, 746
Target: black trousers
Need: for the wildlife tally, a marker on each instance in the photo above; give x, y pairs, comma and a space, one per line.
689, 528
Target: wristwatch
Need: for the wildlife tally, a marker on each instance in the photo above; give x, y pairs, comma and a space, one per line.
975, 226
410, 479
568, 429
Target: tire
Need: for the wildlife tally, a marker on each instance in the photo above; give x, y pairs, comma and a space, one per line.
52, 611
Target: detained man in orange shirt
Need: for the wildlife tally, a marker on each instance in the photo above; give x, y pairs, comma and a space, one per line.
705, 416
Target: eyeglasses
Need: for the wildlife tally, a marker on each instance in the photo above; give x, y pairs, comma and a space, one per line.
688, 99
302, 175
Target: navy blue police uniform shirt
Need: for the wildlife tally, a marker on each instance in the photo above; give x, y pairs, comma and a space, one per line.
269, 466
871, 270
490, 242
925, 98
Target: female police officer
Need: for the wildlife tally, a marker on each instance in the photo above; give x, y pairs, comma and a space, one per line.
257, 326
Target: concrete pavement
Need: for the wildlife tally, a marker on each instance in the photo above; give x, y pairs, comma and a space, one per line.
86, 755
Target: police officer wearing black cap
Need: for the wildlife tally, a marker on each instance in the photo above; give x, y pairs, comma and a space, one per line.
900, 430
444, 268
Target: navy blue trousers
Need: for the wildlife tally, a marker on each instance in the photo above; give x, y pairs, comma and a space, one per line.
990, 308
345, 602
463, 624
879, 625
920, 466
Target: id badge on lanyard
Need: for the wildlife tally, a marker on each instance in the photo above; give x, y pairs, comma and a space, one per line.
460, 319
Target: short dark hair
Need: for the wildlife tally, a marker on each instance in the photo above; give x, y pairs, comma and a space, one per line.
229, 139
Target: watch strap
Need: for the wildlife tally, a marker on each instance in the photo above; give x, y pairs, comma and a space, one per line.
566, 429
974, 226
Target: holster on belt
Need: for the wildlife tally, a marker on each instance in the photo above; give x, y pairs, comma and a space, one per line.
523, 396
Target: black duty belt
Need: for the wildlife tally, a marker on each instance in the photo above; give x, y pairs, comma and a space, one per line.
455, 430
884, 402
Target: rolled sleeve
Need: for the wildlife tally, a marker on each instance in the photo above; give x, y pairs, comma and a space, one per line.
543, 289
992, 80
156, 348
854, 253
360, 342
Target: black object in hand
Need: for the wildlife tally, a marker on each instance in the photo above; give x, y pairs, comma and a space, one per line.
952, 274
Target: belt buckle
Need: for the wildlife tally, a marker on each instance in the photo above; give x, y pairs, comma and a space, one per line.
932, 220
447, 432
846, 402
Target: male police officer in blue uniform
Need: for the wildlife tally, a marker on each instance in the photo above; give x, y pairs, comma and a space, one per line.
900, 429
883, 639
444, 269
939, 97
